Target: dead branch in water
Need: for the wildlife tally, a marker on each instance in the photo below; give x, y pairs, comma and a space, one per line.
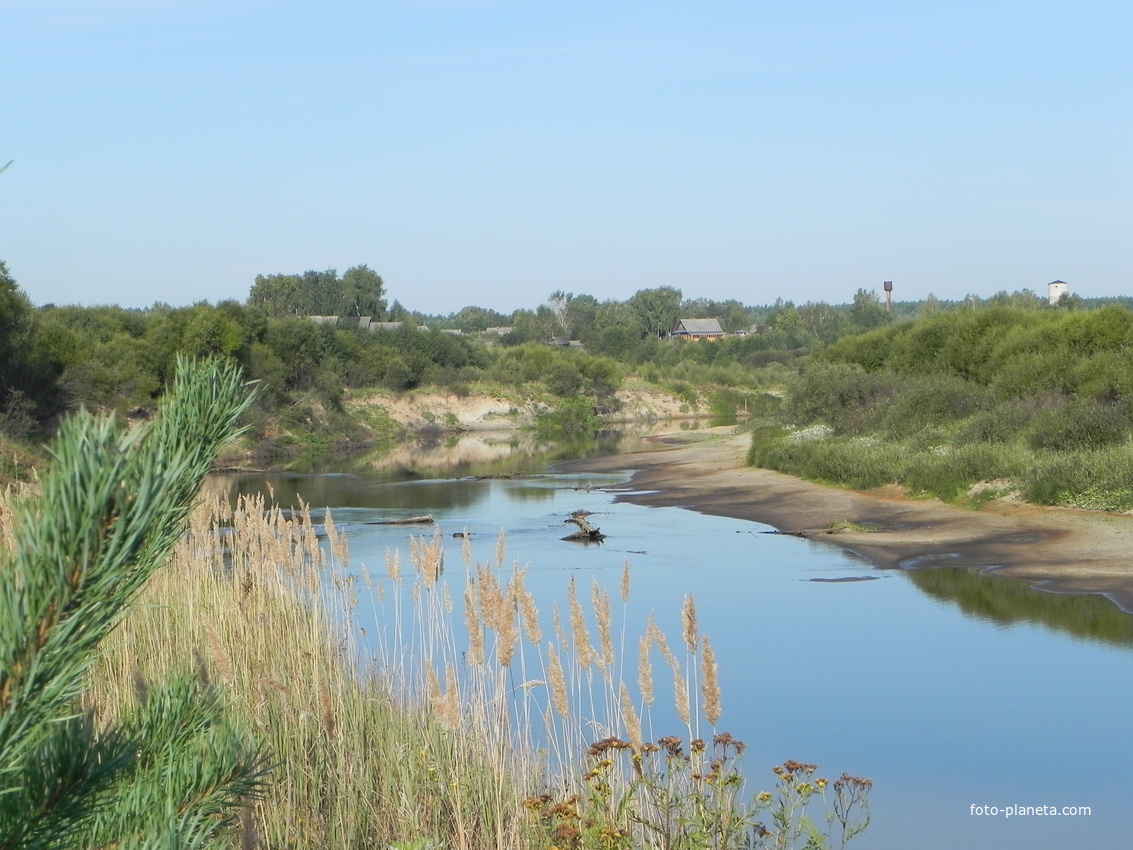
586, 531
409, 520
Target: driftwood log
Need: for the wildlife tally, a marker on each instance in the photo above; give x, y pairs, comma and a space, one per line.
409, 520
586, 532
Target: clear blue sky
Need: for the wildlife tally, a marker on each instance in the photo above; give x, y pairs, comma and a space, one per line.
490, 153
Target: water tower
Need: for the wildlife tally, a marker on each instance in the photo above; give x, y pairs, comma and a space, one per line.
888, 286
1055, 290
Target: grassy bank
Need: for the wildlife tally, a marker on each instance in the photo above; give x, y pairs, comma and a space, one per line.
513, 730
964, 473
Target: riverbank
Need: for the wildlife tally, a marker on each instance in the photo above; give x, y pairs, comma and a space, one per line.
511, 408
402, 422
1055, 549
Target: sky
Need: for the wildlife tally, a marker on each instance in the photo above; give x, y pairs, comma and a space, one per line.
491, 152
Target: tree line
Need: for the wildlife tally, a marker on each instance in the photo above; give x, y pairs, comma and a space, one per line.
55, 359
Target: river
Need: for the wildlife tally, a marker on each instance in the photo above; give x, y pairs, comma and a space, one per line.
949, 689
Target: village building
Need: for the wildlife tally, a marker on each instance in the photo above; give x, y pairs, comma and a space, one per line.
365, 323
699, 329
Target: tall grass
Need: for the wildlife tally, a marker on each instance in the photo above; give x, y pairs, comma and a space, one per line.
1095, 479
474, 729
253, 600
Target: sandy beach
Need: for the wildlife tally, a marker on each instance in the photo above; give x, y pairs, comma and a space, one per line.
1057, 549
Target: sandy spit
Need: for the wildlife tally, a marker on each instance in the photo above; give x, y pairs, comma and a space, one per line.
1056, 549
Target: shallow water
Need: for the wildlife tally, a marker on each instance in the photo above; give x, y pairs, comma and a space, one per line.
949, 689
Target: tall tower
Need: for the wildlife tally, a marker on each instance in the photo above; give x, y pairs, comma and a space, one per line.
1055, 290
888, 285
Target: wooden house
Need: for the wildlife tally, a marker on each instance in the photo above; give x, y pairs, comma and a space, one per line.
699, 329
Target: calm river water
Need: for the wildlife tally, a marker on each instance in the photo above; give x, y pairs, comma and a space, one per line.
949, 689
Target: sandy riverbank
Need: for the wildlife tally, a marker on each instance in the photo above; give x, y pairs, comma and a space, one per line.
1056, 549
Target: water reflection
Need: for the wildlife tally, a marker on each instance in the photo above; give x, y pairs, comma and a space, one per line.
1004, 601
530, 494
448, 462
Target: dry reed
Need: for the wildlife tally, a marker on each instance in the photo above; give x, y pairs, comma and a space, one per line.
359, 763
368, 756
710, 682
645, 669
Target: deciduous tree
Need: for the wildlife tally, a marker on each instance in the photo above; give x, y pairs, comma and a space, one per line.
656, 310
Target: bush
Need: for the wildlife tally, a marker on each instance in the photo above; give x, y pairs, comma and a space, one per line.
1002, 424
572, 417
843, 395
1082, 424
924, 402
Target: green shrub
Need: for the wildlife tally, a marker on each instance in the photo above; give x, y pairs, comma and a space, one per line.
1002, 424
563, 379
1080, 424
843, 395
923, 402
685, 392
573, 416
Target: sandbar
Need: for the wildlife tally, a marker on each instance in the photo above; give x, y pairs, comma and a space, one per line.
1061, 550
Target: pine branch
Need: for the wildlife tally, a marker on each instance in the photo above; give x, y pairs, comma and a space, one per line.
111, 508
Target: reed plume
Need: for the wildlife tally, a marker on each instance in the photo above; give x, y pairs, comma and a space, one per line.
339, 546
508, 634
475, 627
221, 660
710, 684
529, 611
428, 557
680, 696
501, 549
645, 668
632, 721
557, 619
688, 620
450, 700
466, 548
393, 565
558, 682
601, 601
583, 651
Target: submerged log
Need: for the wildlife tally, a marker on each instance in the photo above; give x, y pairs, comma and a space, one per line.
583, 537
409, 520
